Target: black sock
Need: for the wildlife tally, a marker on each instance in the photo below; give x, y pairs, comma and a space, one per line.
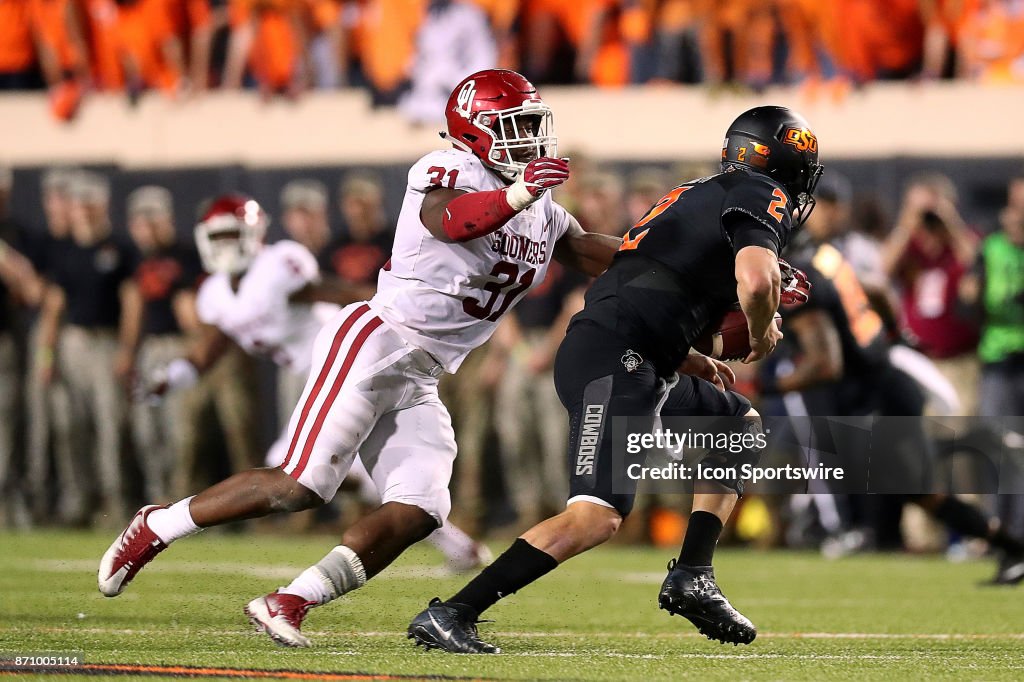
517, 567
962, 518
972, 522
1004, 541
701, 537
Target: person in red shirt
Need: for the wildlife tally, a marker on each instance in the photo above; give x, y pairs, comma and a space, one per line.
927, 253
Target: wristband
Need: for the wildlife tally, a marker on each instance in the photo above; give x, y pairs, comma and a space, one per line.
181, 374
518, 196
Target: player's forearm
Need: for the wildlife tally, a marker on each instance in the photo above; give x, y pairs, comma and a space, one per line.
333, 291
477, 214
132, 312
810, 372
758, 292
592, 253
49, 319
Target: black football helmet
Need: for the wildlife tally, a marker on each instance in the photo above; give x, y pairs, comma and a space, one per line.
778, 142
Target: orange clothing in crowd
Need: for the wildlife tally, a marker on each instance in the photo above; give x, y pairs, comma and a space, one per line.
188, 15
143, 31
385, 39
877, 36
275, 52
51, 20
323, 13
993, 43
951, 15
578, 20
104, 49
17, 49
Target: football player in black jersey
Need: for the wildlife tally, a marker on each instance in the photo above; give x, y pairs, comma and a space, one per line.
844, 369
706, 246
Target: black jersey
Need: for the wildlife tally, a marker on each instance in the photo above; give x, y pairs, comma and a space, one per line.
675, 271
837, 292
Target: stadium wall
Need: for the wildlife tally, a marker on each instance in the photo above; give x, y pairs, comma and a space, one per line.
877, 136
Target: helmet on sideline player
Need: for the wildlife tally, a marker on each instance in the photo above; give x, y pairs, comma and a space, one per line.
230, 232
497, 115
778, 142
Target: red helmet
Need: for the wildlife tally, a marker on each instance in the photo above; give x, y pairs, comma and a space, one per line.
497, 115
230, 232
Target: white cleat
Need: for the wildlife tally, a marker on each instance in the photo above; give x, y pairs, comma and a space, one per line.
479, 557
280, 616
135, 547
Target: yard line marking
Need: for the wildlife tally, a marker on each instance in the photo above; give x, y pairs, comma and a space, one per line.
939, 636
188, 671
263, 571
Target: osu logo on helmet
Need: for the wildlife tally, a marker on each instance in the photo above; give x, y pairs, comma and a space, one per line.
801, 138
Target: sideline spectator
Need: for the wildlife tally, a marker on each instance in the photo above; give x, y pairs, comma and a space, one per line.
87, 290
364, 245
304, 216
46, 393
996, 286
154, 297
927, 253
19, 286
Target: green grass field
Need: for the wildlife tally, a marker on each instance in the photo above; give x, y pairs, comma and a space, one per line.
895, 617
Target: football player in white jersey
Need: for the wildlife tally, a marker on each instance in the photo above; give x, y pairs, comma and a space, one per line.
477, 229
271, 301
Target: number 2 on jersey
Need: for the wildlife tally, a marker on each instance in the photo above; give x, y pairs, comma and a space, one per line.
510, 283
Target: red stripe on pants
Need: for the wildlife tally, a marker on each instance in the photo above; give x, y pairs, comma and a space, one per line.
353, 351
322, 377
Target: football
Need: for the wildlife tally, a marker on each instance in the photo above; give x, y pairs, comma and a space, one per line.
729, 339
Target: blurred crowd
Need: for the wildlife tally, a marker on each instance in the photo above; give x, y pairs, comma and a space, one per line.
412, 52
86, 307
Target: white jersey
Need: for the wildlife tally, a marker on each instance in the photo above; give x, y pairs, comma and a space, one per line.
447, 298
259, 316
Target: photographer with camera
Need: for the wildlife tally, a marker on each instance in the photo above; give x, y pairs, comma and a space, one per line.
928, 252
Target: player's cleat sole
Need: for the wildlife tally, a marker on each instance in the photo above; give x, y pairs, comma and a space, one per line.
279, 616
444, 626
691, 592
135, 547
1010, 571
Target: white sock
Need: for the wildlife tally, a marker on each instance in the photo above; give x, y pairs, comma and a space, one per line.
453, 543
339, 572
174, 522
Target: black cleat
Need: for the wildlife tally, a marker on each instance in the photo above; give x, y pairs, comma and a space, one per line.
450, 628
691, 592
1010, 571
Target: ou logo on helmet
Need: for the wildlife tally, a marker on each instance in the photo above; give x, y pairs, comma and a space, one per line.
464, 100
801, 138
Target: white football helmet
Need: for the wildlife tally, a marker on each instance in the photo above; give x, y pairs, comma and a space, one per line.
230, 233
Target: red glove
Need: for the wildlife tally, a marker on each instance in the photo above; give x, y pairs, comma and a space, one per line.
796, 289
539, 176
